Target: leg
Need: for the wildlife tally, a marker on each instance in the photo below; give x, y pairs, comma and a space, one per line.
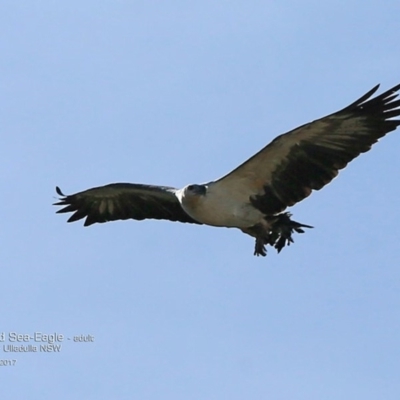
259, 249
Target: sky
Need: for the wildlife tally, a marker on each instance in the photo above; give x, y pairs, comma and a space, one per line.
173, 93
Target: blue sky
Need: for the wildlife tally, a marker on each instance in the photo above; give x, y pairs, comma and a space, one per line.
182, 92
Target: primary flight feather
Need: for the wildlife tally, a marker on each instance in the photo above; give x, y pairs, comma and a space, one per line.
254, 195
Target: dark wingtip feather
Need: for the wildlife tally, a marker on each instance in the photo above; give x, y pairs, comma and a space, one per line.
366, 96
76, 216
385, 97
59, 192
69, 208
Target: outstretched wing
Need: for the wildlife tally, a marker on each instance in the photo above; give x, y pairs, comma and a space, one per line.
307, 158
123, 201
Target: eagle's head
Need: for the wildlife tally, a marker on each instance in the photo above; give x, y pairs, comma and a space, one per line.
191, 195
195, 190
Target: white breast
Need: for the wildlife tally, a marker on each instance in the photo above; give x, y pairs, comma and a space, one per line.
220, 209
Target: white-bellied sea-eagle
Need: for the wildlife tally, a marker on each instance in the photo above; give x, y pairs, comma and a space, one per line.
253, 196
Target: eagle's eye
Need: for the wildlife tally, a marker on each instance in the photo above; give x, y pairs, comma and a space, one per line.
197, 190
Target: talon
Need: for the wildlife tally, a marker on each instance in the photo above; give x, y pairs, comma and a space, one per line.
260, 249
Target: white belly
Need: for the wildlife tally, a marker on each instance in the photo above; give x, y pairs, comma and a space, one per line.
217, 210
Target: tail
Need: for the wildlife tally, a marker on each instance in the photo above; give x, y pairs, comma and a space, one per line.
278, 234
282, 228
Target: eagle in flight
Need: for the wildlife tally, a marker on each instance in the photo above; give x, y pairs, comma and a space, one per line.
254, 195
